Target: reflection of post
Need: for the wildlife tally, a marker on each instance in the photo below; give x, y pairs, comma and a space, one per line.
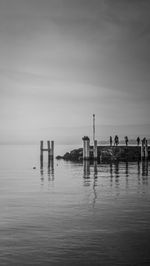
111, 171
145, 168
117, 169
138, 167
95, 169
94, 192
86, 169
95, 150
42, 173
127, 174
50, 169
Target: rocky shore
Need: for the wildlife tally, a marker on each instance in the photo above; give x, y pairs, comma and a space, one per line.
106, 153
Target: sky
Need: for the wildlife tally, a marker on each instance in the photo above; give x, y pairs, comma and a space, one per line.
61, 61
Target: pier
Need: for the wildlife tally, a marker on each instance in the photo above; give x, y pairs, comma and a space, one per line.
49, 150
113, 153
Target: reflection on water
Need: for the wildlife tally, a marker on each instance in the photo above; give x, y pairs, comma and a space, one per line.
92, 214
116, 170
86, 169
145, 168
48, 172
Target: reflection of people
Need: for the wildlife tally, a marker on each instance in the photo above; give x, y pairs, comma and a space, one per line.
110, 140
143, 141
138, 141
126, 140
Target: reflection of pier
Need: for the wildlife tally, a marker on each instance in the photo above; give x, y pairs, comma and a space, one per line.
49, 172
145, 168
87, 175
86, 169
122, 176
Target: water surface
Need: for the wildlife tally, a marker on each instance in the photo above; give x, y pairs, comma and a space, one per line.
72, 214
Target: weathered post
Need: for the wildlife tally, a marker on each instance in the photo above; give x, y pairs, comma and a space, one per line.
41, 153
146, 149
52, 150
49, 152
49, 149
86, 148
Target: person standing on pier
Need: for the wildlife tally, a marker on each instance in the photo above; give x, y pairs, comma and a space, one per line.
138, 141
126, 140
116, 140
110, 140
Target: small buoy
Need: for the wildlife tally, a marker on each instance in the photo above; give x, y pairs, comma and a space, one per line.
34, 167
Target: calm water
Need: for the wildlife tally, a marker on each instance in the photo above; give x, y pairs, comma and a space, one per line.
72, 214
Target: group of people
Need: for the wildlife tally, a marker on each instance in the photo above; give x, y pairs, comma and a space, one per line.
116, 140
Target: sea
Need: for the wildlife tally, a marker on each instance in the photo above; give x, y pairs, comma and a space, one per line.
70, 213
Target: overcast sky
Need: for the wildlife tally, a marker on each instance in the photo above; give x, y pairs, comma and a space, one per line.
63, 60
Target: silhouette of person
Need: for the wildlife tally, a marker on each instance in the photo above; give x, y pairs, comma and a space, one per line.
126, 140
138, 141
110, 140
116, 140
143, 141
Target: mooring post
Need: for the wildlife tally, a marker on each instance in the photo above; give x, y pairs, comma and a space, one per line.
48, 148
52, 150
86, 148
49, 151
41, 153
146, 149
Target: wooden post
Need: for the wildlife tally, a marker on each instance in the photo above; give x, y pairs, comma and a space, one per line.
52, 150
49, 149
86, 148
41, 153
144, 150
